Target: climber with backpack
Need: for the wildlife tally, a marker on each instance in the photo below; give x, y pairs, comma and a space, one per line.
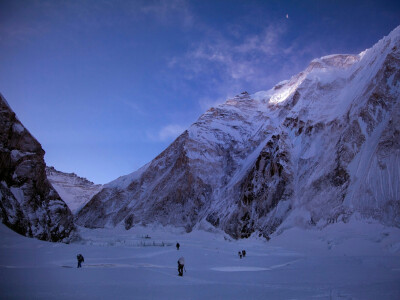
80, 259
181, 266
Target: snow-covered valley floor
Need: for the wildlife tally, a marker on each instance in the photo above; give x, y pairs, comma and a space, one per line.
342, 261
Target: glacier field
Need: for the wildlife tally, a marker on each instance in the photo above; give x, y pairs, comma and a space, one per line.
357, 260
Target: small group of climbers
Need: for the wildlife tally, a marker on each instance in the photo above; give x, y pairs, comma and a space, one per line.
181, 260
242, 253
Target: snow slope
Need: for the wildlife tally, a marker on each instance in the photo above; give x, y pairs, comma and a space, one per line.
343, 261
74, 190
315, 149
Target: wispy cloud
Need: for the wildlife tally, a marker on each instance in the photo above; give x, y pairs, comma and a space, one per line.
233, 62
135, 107
237, 61
226, 65
167, 133
267, 43
207, 102
171, 131
167, 11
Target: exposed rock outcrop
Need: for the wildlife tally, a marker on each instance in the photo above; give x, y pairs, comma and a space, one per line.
29, 204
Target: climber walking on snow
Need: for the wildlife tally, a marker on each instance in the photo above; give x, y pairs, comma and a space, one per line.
181, 265
80, 259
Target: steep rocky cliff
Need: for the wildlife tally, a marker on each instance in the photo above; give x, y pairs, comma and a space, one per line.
313, 150
28, 204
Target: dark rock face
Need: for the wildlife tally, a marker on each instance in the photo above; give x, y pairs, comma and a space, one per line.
29, 204
267, 183
171, 195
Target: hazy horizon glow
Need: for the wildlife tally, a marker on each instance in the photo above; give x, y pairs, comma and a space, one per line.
105, 86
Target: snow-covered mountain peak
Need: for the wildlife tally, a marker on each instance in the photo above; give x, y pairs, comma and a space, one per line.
300, 154
383, 47
75, 191
242, 96
331, 83
333, 71
72, 177
333, 61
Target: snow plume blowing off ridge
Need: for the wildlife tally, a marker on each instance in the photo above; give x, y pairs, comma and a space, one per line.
313, 150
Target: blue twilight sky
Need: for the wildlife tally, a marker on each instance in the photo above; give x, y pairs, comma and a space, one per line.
105, 85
